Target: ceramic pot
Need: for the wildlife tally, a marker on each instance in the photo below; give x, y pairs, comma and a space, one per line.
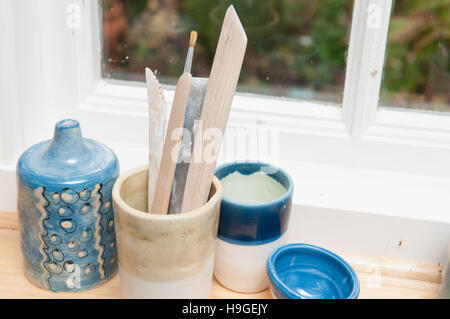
65, 211
163, 256
248, 233
301, 271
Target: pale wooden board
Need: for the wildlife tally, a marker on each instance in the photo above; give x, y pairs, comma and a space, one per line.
398, 279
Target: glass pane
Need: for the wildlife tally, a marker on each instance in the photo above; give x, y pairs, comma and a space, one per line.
416, 74
296, 48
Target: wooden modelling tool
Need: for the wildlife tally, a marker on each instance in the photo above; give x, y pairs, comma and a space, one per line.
171, 146
157, 118
216, 107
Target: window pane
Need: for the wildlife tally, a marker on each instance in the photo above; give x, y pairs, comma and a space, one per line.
416, 73
296, 48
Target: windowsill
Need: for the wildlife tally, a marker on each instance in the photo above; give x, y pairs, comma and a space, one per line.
376, 192
350, 189
362, 211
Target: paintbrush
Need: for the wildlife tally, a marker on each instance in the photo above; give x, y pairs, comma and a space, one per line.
192, 115
190, 54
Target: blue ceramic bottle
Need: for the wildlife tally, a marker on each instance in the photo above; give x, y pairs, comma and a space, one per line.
65, 211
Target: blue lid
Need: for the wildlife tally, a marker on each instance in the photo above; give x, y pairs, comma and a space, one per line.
301, 271
67, 158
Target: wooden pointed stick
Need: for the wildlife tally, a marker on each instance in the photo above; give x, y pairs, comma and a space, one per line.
216, 106
157, 120
172, 145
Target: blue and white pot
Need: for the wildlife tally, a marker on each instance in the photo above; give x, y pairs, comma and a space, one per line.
65, 211
248, 233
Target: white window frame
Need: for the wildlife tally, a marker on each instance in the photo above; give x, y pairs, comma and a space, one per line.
50, 72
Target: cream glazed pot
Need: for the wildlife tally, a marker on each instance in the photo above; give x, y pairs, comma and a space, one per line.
163, 256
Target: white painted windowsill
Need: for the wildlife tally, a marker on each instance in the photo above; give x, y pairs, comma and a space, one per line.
383, 213
387, 193
349, 209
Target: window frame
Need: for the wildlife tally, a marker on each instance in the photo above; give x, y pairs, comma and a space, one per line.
83, 92
52, 73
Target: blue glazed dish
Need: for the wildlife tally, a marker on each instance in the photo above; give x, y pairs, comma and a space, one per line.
65, 211
301, 271
254, 224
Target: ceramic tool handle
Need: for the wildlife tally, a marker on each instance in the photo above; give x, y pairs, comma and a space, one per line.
171, 146
218, 98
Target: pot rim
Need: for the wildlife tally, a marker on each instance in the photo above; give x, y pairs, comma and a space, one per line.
149, 216
281, 287
281, 199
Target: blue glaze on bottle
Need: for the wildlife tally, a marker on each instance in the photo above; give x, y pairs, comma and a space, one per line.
301, 271
65, 210
254, 224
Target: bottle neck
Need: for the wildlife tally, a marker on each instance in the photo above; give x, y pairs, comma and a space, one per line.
67, 140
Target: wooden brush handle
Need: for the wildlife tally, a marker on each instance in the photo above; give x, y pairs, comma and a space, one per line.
172, 146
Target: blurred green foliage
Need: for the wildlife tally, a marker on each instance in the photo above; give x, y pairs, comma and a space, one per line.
418, 47
292, 43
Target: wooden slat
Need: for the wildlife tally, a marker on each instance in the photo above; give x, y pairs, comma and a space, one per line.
396, 268
172, 146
